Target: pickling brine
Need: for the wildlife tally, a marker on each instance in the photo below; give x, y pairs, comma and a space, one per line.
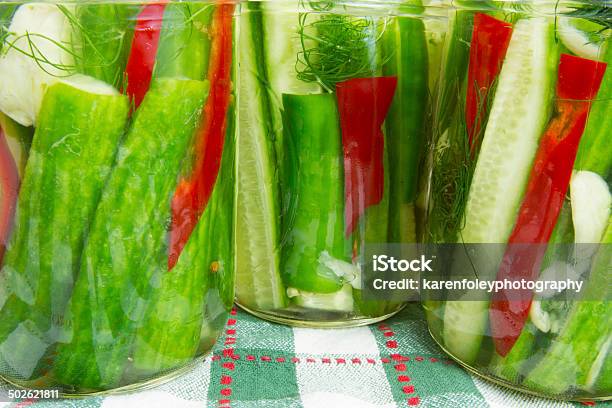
117, 189
522, 160
334, 119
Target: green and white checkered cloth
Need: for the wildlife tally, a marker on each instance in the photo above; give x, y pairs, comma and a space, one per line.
259, 364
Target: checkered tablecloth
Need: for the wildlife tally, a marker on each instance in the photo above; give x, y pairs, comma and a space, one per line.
259, 364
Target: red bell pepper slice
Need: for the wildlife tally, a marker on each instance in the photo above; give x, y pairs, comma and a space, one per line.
490, 39
9, 188
363, 104
141, 61
193, 193
579, 80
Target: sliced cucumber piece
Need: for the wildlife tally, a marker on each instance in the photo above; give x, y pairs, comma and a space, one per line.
258, 279
518, 117
519, 114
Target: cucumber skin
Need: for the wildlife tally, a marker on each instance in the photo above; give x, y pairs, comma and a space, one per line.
76, 140
223, 214
566, 364
281, 47
258, 113
595, 150
105, 47
455, 62
169, 336
405, 123
498, 226
127, 241
316, 185
184, 48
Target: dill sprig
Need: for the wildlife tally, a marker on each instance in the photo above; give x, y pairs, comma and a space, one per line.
597, 11
453, 168
336, 47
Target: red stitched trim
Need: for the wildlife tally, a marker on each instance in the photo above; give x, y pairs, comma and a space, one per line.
228, 352
394, 358
25, 403
400, 367
408, 389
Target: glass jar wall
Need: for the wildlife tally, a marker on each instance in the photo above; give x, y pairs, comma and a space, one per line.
522, 162
117, 196
334, 119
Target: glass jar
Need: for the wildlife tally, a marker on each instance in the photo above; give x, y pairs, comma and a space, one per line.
334, 113
520, 182
117, 194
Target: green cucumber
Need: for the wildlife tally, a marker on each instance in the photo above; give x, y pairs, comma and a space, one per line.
104, 35
404, 41
127, 245
518, 117
455, 62
603, 382
258, 279
513, 366
316, 187
594, 152
76, 140
569, 362
282, 45
171, 333
223, 212
184, 45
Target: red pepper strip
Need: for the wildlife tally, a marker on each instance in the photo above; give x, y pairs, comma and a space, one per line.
192, 194
363, 105
9, 188
578, 82
141, 61
490, 39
